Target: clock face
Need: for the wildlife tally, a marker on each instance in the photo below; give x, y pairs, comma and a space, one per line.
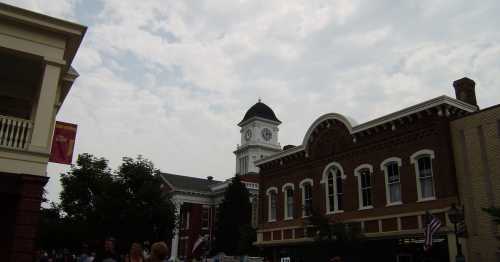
248, 134
267, 134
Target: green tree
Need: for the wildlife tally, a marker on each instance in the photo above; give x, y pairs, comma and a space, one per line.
149, 212
234, 234
332, 237
96, 202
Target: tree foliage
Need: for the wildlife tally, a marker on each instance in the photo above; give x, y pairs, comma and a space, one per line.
332, 237
234, 234
96, 202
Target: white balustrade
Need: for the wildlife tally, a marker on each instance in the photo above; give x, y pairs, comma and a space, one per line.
15, 132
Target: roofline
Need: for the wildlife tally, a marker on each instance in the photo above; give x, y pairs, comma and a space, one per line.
372, 123
188, 190
478, 112
416, 108
241, 148
242, 123
168, 182
73, 32
42, 21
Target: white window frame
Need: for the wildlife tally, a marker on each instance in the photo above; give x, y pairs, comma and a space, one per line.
303, 193
255, 211
383, 167
324, 180
414, 161
357, 173
268, 193
285, 200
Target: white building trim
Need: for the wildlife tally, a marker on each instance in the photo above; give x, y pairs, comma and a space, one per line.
414, 160
284, 187
285, 200
303, 193
357, 174
268, 193
324, 180
383, 167
441, 101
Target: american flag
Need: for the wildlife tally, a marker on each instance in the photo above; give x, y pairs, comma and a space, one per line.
432, 226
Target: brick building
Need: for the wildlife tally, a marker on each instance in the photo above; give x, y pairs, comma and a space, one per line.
380, 176
476, 143
36, 52
197, 199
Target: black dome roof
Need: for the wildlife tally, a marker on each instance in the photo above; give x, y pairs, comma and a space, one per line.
260, 110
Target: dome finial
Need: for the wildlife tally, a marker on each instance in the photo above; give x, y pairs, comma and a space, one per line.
260, 100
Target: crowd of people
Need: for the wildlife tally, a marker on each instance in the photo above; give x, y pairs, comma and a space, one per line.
158, 252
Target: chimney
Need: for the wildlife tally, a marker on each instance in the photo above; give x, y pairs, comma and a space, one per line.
465, 90
210, 178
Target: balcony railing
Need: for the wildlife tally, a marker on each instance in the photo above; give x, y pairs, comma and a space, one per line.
15, 132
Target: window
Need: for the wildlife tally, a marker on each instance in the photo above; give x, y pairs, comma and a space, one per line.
332, 177
365, 184
339, 192
288, 189
306, 187
255, 206
392, 180
205, 218
424, 175
289, 203
272, 196
331, 193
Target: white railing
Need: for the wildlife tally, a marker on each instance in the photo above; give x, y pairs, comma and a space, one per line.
15, 132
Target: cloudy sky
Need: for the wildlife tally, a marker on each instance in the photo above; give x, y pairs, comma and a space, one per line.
171, 79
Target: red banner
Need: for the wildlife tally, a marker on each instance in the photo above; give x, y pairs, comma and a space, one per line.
63, 143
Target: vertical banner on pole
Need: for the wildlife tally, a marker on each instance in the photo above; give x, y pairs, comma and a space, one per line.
63, 143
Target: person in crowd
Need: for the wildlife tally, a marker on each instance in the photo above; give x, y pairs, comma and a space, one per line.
109, 253
159, 252
84, 255
145, 249
91, 257
336, 259
135, 254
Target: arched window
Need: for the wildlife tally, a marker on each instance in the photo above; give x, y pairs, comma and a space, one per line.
391, 170
288, 197
272, 194
306, 188
332, 177
255, 211
365, 184
424, 175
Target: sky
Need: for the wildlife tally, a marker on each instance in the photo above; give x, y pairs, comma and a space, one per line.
170, 80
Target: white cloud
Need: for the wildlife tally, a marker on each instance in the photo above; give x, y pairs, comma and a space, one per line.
58, 8
171, 79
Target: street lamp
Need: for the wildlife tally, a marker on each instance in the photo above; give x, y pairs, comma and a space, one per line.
456, 216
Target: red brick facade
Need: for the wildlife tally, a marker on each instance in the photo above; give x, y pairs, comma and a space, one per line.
332, 141
21, 197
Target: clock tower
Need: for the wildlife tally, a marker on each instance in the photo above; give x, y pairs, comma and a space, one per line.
259, 137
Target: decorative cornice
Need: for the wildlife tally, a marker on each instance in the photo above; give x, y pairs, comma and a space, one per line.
440, 102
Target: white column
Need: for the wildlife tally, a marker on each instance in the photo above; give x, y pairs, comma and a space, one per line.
44, 116
175, 239
452, 248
